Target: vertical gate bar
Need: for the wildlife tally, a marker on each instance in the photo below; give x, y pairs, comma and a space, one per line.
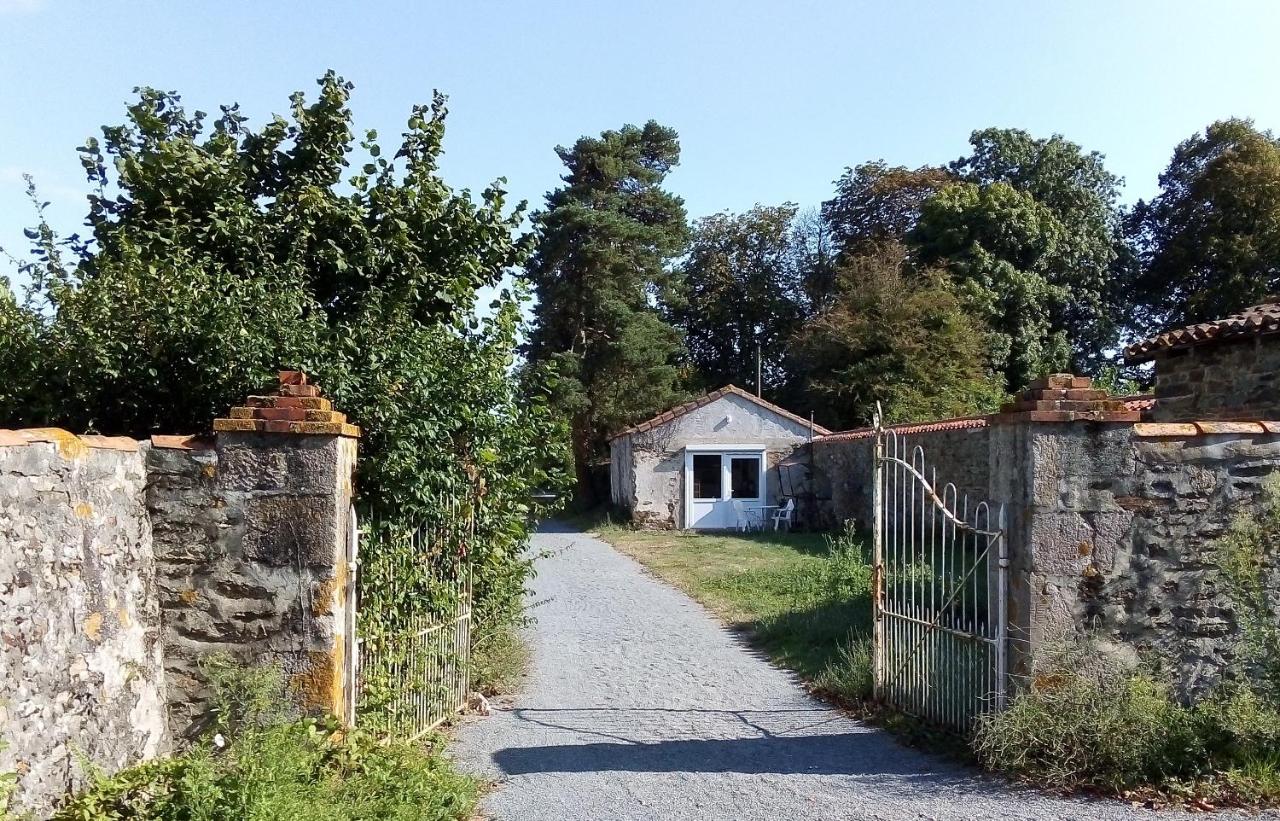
892, 522
877, 564
1002, 613
939, 646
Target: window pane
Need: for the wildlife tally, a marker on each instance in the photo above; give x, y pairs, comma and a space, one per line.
706, 476
746, 477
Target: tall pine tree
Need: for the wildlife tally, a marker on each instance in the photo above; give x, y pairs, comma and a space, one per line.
601, 268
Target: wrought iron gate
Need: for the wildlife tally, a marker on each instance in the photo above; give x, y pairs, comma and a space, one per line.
939, 591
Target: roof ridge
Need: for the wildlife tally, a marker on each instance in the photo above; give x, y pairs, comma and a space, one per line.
707, 398
1263, 318
950, 423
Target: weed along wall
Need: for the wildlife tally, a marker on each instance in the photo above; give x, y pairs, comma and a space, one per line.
125, 563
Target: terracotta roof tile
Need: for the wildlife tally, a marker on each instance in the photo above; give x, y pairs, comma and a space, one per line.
707, 399
1254, 321
959, 423
1138, 402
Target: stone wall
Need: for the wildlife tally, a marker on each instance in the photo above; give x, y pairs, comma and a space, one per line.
125, 563
1227, 380
957, 450
81, 677
1120, 524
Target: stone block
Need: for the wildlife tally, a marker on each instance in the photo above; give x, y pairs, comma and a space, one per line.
288, 531
269, 463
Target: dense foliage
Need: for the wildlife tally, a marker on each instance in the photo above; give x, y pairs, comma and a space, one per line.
1031, 233
606, 241
741, 295
219, 253
1209, 242
903, 339
876, 203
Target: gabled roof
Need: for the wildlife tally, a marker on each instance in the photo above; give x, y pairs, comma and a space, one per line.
1254, 321
707, 399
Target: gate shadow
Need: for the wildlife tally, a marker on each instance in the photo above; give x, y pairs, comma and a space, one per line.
781, 742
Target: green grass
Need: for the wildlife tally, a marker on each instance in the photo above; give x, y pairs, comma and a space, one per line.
802, 598
306, 770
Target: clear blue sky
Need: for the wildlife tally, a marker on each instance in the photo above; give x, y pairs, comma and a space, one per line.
772, 100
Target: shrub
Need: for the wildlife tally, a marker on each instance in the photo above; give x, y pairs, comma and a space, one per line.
1089, 723
1086, 722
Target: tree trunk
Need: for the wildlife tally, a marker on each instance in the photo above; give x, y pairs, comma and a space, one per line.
583, 454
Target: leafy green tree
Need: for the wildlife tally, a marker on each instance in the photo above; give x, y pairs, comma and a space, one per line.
876, 203
902, 338
1209, 242
741, 293
220, 253
605, 243
1031, 233
816, 255
992, 241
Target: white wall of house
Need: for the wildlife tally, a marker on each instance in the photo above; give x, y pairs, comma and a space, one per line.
647, 468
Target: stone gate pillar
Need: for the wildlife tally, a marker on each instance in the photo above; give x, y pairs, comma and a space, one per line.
251, 533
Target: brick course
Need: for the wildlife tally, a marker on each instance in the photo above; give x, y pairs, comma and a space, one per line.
1062, 397
297, 407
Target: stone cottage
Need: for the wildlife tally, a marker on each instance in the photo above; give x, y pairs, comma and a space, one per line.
1227, 369
687, 467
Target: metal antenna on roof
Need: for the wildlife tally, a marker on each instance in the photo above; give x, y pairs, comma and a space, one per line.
759, 370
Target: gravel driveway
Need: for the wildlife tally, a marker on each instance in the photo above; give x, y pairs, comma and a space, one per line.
640, 705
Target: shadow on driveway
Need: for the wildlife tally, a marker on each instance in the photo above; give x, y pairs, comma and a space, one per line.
798, 741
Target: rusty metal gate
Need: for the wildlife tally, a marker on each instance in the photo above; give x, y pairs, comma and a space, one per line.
939, 590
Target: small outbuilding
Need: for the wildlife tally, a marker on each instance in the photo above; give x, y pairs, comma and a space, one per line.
693, 466
1227, 369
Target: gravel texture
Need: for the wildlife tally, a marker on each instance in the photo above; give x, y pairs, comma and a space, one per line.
640, 705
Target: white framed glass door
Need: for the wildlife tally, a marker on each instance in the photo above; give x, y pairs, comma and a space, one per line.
716, 479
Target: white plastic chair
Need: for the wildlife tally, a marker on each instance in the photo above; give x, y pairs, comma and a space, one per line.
784, 514
742, 521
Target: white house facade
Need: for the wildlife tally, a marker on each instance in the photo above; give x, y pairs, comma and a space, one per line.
700, 464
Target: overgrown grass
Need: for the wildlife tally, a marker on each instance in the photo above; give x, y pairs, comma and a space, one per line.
499, 658
802, 598
305, 770
260, 765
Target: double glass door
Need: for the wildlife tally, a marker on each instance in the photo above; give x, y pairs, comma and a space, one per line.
717, 480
